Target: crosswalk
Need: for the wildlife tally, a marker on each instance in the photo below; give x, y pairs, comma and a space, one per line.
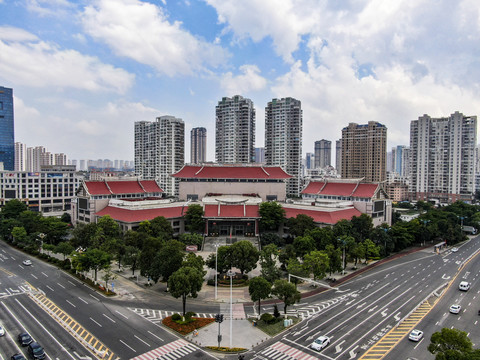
156, 316
171, 351
15, 291
307, 311
281, 351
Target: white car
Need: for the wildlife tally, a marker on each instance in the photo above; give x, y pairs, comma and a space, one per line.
455, 309
454, 249
2, 331
320, 343
27, 262
464, 286
416, 335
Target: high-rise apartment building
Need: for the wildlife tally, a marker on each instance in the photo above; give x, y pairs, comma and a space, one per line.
7, 138
20, 156
309, 160
364, 151
443, 158
160, 151
283, 139
338, 155
198, 145
235, 131
323, 154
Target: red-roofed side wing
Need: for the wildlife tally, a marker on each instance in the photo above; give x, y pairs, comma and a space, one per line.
97, 188
338, 189
125, 187
323, 217
231, 172
231, 211
187, 172
366, 190
313, 187
131, 216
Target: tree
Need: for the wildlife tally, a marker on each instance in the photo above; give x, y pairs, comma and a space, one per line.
54, 229
150, 248
66, 218
19, 234
168, 260
92, 259
317, 262
13, 208
31, 221
300, 224
321, 236
195, 261
186, 281
362, 226
132, 257
287, 253
64, 248
224, 261
294, 267
271, 238
83, 235
107, 276
303, 245
192, 239
334, 258
259, 288
195, 222
244, 256
371, 250
161, 228
449, 342
268, 263
6, 227
286, 292
272, 215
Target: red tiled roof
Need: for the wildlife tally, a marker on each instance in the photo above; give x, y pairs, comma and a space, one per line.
232, 172
231, 211
121, 187
321, 216
130, 216
339, 189
97, 188
313, 187
366, 190
150, 186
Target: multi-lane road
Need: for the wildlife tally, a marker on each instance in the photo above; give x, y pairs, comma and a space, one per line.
72, 321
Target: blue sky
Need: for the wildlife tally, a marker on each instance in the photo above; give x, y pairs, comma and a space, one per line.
84, 71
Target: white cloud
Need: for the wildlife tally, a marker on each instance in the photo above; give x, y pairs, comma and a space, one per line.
249, 80
142, 32
26, 60
56, 8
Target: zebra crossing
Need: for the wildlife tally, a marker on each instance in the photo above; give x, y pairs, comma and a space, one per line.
175, 350
307, 311
156, 316
281, 351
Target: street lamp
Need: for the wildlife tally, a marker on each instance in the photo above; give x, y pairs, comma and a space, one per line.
385, 229
216, 265
425, 222
231, 274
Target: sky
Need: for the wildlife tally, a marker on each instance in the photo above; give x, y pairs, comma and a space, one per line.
83, 72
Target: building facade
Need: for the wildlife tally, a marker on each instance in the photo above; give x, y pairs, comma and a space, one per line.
160, 151
260, 155
443, 158
364, 151
323, 153
49, 191
198, 145
20, 156
283, 139
7, 136
235, 131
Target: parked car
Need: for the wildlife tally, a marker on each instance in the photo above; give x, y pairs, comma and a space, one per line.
454, 249
35, 350
320, 343
2, 331
415, 335
455, 308
27, 262
24, 339
17, 357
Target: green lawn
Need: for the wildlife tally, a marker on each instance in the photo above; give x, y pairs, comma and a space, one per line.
277, 327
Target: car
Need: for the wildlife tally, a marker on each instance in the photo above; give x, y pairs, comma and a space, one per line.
27, 262
464, 286
415, 335
24, 339
320, 343
2, 331
454, 249
17, 357
455, 308
35, 350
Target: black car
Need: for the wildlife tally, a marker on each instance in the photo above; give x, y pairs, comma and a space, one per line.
24, 339
18, 357
35, 350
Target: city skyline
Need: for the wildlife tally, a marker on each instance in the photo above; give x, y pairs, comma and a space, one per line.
349, 62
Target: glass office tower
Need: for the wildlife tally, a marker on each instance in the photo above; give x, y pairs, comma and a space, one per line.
7, 141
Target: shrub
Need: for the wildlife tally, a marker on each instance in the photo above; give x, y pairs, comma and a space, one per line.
267, 318
176, 317
189, 315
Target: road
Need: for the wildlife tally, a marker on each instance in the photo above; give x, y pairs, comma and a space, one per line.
50, 304
360, 312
